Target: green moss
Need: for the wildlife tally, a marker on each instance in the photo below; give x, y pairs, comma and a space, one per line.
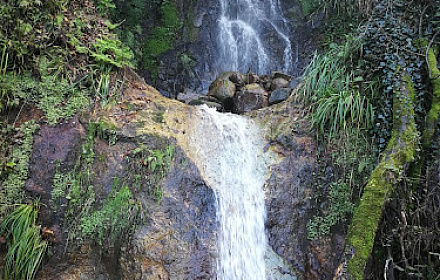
162, 37
191, 31
433, 114
400, 150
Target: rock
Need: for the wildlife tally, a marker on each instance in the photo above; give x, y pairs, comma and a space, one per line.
279, 83
210, 104
237, 79
177, 237
279, 95
252, 97
276, 267
250, 78
278, 74
187, 96
295, 82
264, 79
222, 87
209, 98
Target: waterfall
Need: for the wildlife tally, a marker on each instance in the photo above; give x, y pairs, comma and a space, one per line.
229, 153
251, 36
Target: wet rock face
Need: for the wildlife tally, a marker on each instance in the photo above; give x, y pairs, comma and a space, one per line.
174, 238
52, 145
288, 203
178, 240
290, 190
177, 236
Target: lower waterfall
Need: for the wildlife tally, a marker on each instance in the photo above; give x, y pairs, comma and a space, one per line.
229, 149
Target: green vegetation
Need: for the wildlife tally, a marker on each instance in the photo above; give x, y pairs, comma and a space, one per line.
51, 55
372, 97
131, 13
400, 150
116, 216
105, 7
339, 99
151, 164
18, 161
148, 45
339, 199
25, 247
162, 37
341, 112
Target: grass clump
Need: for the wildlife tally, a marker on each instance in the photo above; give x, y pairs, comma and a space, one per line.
341, 104
339, 99
25, 247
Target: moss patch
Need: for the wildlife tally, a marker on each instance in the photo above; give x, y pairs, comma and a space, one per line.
433, 114
400, 150
162, 37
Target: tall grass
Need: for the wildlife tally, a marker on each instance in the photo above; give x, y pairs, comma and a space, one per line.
25, 247
334, 93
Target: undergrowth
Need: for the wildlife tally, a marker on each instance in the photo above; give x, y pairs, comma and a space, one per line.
341, 102
52, 52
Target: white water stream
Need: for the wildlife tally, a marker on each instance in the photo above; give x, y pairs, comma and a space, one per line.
251, 32
229, 152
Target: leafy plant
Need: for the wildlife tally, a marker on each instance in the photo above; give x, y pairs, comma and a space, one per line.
25, 247
105, 7
111, 51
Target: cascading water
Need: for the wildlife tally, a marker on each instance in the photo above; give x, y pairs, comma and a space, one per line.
250, 35
229, 152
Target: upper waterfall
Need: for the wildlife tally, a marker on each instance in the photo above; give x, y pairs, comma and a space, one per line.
253, 36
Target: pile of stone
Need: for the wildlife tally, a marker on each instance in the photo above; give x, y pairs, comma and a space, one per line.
240, 93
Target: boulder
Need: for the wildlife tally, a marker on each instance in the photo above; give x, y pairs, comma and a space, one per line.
295, 82
252, 97
211, 104
279, 95
222, 87
187, 96
250, 78
278, 74
279, 83
237, 79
